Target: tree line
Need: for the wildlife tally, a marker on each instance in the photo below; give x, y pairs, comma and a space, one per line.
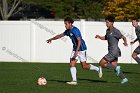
123, 10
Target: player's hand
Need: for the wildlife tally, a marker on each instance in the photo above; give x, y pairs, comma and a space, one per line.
132, 43
49, 41
97, 36
125, 44
76, 53
74, 58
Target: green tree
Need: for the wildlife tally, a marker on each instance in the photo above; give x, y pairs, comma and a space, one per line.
88, 9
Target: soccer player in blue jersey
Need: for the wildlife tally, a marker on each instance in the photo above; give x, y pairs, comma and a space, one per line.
79, 49
137, 31
112, 36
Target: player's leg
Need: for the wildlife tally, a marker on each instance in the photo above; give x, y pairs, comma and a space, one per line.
114, 63
73, 70
106, 62
82, 57
135, 57
103, 63
92, 67
87, 66
121, 75
135, 53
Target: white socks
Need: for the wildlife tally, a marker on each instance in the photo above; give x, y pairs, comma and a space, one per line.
73, 73
92, 67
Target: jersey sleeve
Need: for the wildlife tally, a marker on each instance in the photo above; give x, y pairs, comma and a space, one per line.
106, 35
118, 34
139, 29
77, 33
65, 33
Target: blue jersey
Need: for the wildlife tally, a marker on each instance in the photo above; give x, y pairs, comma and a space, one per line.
74, 33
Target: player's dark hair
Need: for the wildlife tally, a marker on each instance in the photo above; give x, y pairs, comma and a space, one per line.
110, 18
135, 19
69, 19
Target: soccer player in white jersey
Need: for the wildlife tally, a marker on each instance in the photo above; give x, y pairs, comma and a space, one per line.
79, 49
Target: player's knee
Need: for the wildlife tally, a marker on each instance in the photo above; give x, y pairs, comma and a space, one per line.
85, 67
103, 65
72, 64
100, 64
134, 56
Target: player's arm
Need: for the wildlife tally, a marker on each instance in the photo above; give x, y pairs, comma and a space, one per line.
134, 41
100, 37
55, 38
125, 40
78, 46
76, 51
79, 43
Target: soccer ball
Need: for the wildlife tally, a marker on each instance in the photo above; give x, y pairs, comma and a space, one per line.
41, 81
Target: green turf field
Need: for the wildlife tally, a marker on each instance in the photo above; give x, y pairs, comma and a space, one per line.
22, 77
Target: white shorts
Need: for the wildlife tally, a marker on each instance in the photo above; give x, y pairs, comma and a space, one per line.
81, 55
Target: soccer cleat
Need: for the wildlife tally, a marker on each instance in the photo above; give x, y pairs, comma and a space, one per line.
125, 80
118, 68
100, 72
72, 83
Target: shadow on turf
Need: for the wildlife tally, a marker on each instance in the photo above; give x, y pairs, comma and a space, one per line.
131, 72
127, 72
91, 80
61, 81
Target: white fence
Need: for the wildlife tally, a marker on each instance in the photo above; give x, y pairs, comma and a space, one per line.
25, 41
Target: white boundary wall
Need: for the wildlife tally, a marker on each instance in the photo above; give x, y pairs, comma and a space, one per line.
25, 41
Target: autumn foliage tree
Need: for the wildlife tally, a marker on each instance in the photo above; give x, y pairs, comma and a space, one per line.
123, 10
